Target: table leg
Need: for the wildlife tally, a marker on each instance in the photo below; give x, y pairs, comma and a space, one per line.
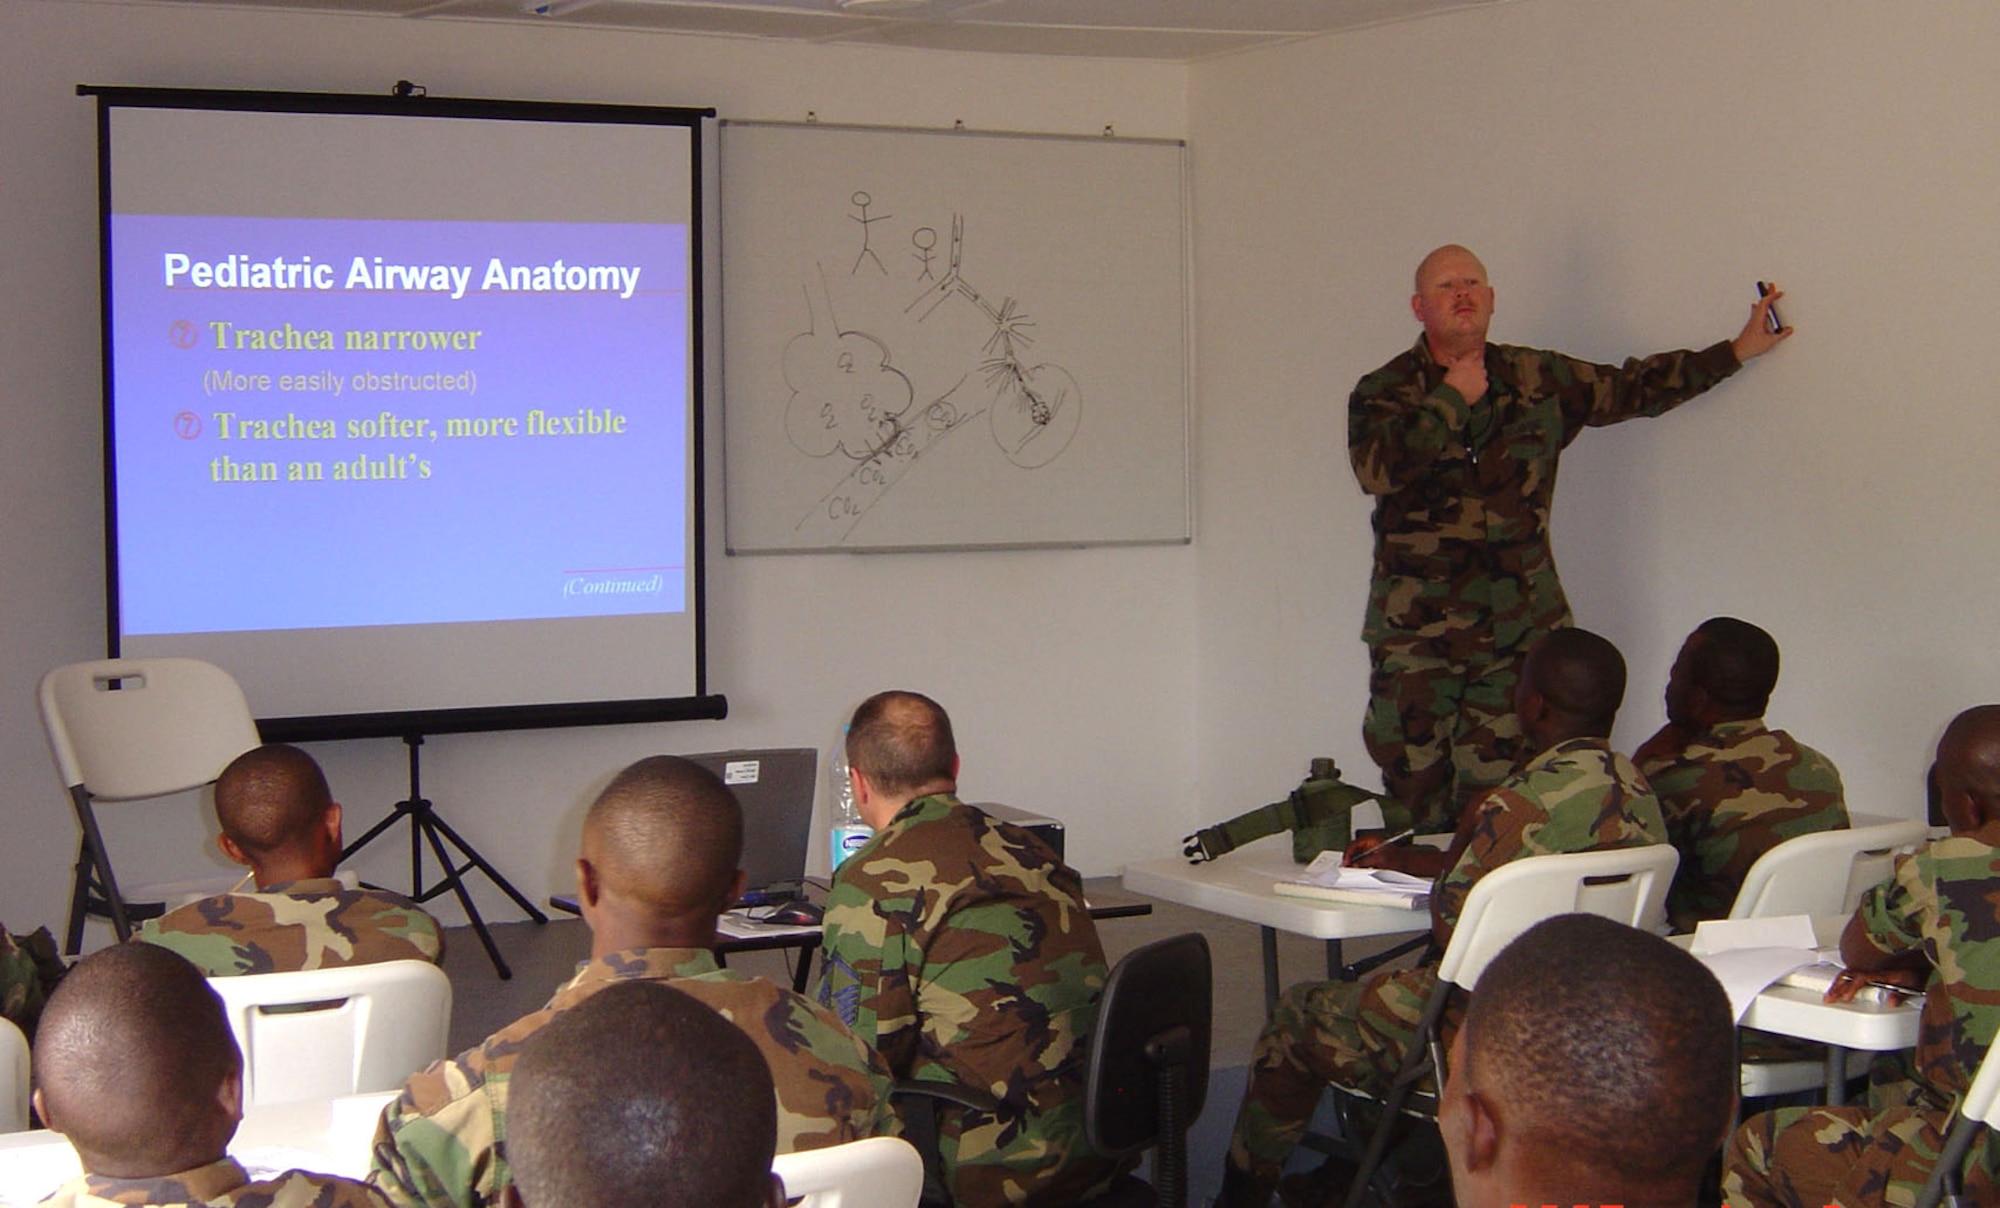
1336, 969
1836, 1075
1270, 971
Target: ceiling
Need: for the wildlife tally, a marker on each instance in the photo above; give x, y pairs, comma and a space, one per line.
1166, 30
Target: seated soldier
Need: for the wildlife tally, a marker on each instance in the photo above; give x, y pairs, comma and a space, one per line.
658, 864
1730, 789
135, 1064
694, 1125
1577, 795
1934, 924
278, 818
961, 948
1595, 1067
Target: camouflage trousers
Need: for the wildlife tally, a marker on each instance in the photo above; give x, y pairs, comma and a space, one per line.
1441, 723
1350, 1034
1854, 1157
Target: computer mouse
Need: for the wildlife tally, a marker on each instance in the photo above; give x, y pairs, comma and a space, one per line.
799, 913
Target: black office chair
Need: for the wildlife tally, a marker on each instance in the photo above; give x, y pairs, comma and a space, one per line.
1148, 1075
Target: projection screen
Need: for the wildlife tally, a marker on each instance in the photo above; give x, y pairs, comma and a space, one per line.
402, 405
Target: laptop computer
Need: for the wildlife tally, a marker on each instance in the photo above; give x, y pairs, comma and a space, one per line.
775, 787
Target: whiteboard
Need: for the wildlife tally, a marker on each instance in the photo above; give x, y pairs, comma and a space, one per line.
951, 340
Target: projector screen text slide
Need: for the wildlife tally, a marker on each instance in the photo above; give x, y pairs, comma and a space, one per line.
330, 423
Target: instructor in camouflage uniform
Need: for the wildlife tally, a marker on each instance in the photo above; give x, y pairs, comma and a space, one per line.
277, 816
1934, 924
962, 949
1730, 788
1458, 440
658, 865
1577, 795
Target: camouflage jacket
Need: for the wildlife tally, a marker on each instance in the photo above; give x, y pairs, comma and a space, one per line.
310, 924
23, 988
1945, 899
444, 1140
1463, 493
1578, 795
223, 1184
1731, 795
961, 948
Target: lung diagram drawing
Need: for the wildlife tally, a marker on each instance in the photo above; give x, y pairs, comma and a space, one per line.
909, 351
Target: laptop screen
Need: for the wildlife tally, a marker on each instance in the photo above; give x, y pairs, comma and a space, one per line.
775, 788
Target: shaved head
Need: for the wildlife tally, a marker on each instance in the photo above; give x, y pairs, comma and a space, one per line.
1966, 773
271, 799
1736, 663
1606, 1056
1581, 676
902, 742
132, 1059
693, 1125
666, 835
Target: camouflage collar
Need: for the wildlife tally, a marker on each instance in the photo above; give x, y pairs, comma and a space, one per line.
1564, 749
926, 809
639, 964
1732, 729
196, 1186
306, 885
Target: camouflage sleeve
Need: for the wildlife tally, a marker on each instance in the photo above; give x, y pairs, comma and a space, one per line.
865, 973
1497, 837
435, 1144
1395, 430
1596, 395
21, 994
1892, 913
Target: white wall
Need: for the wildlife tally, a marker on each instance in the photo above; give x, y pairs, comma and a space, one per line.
1070, 674
1627, 169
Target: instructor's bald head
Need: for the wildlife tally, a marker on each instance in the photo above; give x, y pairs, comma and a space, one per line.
135, 1064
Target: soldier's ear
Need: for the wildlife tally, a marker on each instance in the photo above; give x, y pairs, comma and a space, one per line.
587, 888
229, 848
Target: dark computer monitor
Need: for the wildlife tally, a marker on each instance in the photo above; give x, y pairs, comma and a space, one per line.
775, 788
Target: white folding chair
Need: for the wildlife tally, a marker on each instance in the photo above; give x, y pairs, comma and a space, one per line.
1820, 874
13, 1078
129, 730
322, 1033
1628, 885
1978, 1111
874, 1172
1824, 873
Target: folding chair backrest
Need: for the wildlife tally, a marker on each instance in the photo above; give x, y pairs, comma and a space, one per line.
874, 1172
1823, 873
322, 1033
1628, 884
131, 728
13, 1078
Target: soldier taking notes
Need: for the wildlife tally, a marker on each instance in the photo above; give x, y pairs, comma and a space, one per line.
1458, 439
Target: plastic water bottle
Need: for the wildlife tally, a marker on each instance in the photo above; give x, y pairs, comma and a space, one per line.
850, 833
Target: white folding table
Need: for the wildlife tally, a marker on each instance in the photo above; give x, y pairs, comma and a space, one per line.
1238, 886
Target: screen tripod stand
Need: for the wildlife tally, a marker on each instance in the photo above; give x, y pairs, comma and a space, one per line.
426, 825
